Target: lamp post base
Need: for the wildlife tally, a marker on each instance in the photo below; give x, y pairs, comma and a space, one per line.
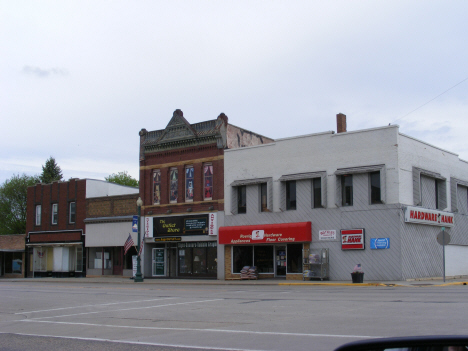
138, 278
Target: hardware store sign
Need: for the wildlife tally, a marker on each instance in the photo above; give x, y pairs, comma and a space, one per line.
431, 217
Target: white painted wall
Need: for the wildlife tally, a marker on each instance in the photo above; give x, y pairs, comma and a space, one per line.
315, 153
97, 188
456, 260
109, 234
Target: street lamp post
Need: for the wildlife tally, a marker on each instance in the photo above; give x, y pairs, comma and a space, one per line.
138, 277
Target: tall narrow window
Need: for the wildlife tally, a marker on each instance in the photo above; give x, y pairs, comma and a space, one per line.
54, 213
347, 189
156, 187
291, 195
174, 178
263, 198
241, 199
317, 195
38, 214
189, 183
375, 188
208, 181
72, 213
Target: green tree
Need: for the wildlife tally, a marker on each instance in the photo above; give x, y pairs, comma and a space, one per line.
13, 196
122, 178
50, 171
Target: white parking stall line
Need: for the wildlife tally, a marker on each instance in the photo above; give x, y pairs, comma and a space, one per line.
231, 331
103, 304
136, 342
124, 309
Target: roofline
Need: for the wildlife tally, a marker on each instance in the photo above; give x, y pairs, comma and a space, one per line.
426, 143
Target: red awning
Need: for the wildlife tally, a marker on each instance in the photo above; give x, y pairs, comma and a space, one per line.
266, 234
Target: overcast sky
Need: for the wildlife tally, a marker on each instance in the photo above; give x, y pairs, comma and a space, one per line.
79, 79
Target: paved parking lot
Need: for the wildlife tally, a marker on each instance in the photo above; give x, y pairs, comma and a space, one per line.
227, 317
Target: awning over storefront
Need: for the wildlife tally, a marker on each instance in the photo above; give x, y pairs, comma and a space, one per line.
266, 234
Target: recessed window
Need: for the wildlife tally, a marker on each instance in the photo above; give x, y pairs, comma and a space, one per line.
242, 199
72, 215
174, 179
208, 181
317, 192
347, 189
156, 187
291, 195
189, 183
38, 214
54, 214
263, 197
375, 188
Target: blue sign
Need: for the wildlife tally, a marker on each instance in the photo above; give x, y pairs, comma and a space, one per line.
379, 243
135, 224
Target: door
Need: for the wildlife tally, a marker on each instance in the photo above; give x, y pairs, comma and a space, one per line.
118, 261
159, 262
172, 262
280, 261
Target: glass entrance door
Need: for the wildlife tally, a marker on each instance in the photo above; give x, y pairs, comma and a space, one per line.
159, 262
280, 261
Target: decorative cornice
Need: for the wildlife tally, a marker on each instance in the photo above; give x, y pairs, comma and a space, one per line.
181, 163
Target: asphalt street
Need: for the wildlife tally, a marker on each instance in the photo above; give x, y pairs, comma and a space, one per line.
59, 315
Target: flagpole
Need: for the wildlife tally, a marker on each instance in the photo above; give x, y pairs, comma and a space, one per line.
138, 276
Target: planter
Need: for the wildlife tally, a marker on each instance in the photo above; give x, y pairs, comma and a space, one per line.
357, 277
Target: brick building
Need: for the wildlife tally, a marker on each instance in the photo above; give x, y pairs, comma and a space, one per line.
12, 255
182, 188
57, 220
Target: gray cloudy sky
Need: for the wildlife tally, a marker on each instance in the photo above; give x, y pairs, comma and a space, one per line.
79, 79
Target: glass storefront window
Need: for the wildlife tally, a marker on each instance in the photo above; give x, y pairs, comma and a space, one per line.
263, 259
13, 262
241, 256
197, 259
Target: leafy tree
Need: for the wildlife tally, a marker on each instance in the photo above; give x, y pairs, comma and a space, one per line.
50, 171
13, 196
122, 178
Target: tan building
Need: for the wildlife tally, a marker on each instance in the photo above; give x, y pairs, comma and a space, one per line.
12, 257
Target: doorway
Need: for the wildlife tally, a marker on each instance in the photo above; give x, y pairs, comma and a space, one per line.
159, 262
280, 261
118, 261
172, 262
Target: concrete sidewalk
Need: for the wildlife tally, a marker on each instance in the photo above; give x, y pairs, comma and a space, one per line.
434, 282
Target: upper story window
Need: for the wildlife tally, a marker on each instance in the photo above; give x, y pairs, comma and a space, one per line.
242, 199
347, 189
264, 198
291, 195
174, 180
317, 193
189, 183
208, 181
375, 193
72, 213
54, 217
156, 187
38, 214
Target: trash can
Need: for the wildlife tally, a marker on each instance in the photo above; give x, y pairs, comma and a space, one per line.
357, 277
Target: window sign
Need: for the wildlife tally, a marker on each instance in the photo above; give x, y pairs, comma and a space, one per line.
379, 243
352, 239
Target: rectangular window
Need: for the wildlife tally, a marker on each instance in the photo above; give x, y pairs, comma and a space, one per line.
375, 187
294, 258
264, 259
54, 214
13, 262
317, 192
156, 187
242, 199
208, 181
174, 179
38, 214
291, 195
189, 183
347, 189
264, 198
241, 256
72, 215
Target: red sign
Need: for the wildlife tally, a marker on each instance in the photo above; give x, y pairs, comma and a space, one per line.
352, 239
266, 234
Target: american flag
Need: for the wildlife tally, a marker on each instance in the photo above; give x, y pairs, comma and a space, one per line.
141, 246
128, 244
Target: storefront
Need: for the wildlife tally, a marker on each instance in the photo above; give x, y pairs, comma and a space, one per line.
181, 246
56, 254
276, 250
